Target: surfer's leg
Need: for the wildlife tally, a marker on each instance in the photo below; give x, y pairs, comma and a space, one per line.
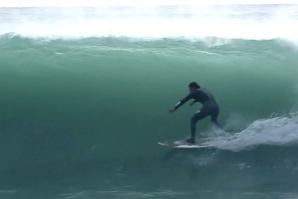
214, 115
199, 115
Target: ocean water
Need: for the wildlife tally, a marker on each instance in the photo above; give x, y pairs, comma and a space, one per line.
85, 94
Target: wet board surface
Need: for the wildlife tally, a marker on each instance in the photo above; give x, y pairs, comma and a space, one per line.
200, 143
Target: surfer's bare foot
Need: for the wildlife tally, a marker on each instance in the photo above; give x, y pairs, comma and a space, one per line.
190, 140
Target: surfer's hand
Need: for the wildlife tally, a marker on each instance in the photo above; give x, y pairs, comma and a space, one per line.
172, 110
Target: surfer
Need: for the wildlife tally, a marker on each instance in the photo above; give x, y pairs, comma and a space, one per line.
209, 108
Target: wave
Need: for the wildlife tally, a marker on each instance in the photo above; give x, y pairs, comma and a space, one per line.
65, 100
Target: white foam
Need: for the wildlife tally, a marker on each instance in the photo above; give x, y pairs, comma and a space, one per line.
192, 22
91, 3
274, 131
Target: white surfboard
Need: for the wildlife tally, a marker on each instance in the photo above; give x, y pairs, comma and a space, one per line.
200, 143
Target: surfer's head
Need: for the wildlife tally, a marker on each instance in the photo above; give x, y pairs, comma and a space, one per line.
193, 86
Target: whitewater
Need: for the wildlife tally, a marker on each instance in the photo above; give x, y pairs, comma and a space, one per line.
251, 22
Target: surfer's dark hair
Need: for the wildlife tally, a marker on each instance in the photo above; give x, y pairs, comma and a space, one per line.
193, 85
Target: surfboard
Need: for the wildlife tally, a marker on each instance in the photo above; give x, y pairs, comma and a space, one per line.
200, 143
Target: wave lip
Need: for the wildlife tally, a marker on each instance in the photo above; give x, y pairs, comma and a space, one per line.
90, 3
253, 22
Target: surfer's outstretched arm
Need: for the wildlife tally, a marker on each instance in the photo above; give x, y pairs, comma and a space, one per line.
188, 97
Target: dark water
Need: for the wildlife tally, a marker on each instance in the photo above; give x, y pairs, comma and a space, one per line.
81, 118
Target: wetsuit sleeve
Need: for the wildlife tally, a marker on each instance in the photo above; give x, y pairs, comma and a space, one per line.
188, 97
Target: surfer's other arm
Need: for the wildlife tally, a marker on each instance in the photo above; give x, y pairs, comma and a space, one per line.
188, 97
192, 103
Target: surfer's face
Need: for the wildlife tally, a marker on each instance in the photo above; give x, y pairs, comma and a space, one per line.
192, 89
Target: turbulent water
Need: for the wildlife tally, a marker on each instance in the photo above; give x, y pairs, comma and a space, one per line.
85, 94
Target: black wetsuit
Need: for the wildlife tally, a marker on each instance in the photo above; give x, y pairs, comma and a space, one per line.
210, 107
